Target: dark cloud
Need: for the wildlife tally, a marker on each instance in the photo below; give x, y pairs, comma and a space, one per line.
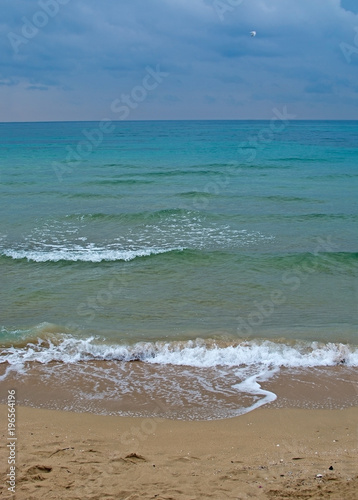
83, 54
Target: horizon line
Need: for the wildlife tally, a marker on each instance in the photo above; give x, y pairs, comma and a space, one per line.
184, 120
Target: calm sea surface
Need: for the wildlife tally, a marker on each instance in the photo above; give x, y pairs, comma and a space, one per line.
228, 245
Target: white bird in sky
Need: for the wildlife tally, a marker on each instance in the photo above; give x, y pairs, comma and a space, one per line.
253, 33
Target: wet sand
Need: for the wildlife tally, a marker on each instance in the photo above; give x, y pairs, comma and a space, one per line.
275, 453
185, 393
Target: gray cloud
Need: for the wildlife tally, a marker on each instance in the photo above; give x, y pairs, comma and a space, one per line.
87, 53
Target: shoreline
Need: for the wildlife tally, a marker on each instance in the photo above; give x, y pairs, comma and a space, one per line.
147, 390
267, 453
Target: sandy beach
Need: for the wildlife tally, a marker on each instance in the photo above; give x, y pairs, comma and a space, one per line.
268, 453
178, 250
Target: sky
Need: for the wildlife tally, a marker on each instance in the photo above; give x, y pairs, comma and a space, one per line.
178, 59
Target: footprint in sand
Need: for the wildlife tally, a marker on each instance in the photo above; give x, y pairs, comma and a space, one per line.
35, 473
134, 458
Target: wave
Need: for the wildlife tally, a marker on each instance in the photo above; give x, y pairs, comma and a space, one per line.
332, 176
90, 254
306, 262
190, 171
133, 235
150, 176
282, 198
299, 159
133, 216
115, 182
193, 214
194, 194
88, 195
197, 353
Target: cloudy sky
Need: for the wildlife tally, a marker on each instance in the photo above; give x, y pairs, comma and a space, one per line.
178, 59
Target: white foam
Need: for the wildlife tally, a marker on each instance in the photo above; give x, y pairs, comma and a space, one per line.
90, 254
251, 385
17, 367
64, 241
199, 353
205, 368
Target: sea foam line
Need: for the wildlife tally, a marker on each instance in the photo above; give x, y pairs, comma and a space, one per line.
85, 254
199, 353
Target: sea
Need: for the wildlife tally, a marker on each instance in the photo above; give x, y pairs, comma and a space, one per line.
178, 268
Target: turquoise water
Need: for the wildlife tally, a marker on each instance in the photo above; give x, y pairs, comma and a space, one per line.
193, 228
177, 231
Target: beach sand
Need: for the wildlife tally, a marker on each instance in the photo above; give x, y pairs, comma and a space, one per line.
269, 453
